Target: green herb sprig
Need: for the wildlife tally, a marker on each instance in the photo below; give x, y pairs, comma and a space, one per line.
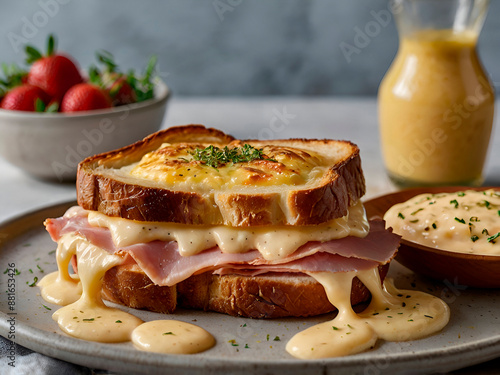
214, 156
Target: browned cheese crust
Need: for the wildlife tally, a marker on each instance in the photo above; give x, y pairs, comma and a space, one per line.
265, 296
328, 199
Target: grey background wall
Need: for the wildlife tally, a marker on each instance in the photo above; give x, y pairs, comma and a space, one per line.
230, 47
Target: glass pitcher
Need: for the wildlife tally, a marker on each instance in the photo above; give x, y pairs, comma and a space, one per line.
436, 102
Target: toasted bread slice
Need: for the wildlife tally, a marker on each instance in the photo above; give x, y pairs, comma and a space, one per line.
295, 182
265, 296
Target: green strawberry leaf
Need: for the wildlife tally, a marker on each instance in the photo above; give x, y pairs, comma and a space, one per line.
51, 45
150, 69
95, 76
142, 85
54, 107
32, 54
39, 105
107, 59
13, 75
115, 89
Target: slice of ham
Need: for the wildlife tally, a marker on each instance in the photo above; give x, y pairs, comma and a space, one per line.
379, 246
318, 262
163, 264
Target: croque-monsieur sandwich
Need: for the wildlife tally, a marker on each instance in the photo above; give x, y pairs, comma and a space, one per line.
191, 217
209, 222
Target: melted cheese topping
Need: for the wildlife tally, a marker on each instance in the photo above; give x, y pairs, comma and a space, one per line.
393, 315
273, 242
172, 337
464, 222
85, 315
174, 165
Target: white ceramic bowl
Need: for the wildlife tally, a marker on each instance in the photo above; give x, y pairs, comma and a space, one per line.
50, 145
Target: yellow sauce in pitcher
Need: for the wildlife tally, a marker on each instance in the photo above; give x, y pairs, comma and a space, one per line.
436, 109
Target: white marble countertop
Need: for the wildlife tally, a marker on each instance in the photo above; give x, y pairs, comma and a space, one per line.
354, 119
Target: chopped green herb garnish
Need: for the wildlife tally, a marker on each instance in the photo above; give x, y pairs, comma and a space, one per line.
454, 202
376, 313
401, 216
335, 328
498, 212
474, 219
474, 238
6, 270
434, 225
460, 220
485, 231
246, 346
244, 325
118, 321
414, 221
166, 333
31, 271
214, 156
389, 316
35, 280
267, 337
52, 252
39, 268
410, 320
461, 194
415, 212
88, 320
16, 271
277, 338
350, 326
485, 204
233, 343
493, 238
48, 308
428, 316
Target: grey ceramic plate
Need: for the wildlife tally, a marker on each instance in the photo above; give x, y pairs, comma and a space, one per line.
473, 335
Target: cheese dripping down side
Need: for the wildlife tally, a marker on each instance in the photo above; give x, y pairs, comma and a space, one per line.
393, 315
85, 315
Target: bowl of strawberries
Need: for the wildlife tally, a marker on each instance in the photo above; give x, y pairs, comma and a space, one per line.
53, 115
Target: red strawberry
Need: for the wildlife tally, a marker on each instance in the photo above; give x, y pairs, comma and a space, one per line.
121, 92
55, 74
85, 97
25, 98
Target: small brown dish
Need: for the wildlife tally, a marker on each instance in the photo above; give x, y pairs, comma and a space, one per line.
482, 271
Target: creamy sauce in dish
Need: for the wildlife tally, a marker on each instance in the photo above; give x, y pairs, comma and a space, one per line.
464, 222
85, 315
393, 315
171, 337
